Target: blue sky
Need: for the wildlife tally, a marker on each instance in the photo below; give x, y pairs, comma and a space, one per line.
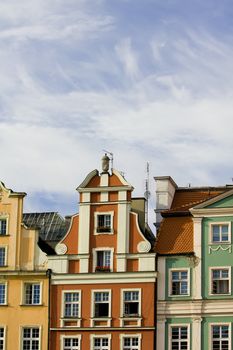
147, 80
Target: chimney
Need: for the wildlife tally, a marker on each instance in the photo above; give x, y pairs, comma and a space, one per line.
165, 190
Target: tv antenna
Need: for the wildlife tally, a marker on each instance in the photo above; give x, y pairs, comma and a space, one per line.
147, 191
110, 156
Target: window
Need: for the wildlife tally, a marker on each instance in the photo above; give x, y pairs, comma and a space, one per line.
179, 282
130, 343
71, 343
101, 304
2, 338
220, 337
103, 262
101, 343
131, 303
2, 256
179, 337
3, 227
32, 293
71, 304
220, 233
31, 338
103, 222
220, 283
2, 293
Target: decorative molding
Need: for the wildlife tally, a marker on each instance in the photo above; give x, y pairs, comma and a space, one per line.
220, 247
143, 247
61, 249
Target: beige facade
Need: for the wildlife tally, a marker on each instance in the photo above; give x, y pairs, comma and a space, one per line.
23, 279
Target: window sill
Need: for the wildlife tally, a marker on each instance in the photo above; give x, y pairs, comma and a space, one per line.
2, 305
31, 305
5, 235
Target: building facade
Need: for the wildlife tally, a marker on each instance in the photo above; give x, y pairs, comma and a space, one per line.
24, 282
103, 280
195, 259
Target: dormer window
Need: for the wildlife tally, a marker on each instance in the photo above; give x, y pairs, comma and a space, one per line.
103, 223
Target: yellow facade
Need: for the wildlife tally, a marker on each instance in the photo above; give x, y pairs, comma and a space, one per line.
24, 283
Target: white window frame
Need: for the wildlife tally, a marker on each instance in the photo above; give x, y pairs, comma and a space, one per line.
94, 336
94, 254
31, 326
63, 337
107, 318
23, 293
170, 326
210, 279
219, 324
6, 292
211, 224
6, 255
122, 336
7, 219
123, 318
63, 317
4, 336
96, 214
186, 269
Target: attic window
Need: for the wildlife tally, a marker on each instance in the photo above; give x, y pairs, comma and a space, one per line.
103, 223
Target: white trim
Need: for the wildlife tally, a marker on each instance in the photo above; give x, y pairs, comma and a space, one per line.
226, 223
63, 319
30, 326
186, 269
103, 197
122, 195
100, 249
106, 319
70, 336
93, 336
136, 318
69, 228
211, 212
6, 292
104, 178
197, 268
23, 296
170, 326
196, 333
104, 189
4, 335
137, 335
211, 268
160, 333
96, 214
87, 179
219, 324
102, 278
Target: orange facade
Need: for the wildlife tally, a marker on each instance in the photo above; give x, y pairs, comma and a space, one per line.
103, 281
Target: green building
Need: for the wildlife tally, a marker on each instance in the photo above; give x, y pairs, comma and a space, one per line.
195, 263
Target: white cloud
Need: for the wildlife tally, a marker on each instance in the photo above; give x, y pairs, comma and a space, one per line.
63, 100
128, 57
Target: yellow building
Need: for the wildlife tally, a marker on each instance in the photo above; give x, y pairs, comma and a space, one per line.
24, 281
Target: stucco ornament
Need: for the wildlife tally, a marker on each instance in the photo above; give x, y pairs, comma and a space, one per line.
143, 247
61, 249
105, 163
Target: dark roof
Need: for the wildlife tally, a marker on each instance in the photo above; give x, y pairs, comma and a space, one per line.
52, 226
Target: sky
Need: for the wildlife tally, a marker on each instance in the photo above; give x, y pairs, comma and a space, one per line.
148, 80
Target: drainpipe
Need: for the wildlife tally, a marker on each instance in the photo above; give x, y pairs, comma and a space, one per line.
155, 306
49, 273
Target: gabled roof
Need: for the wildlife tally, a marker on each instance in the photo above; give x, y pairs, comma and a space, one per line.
51, 225
175, 235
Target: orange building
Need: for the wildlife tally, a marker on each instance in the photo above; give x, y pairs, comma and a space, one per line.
103, 280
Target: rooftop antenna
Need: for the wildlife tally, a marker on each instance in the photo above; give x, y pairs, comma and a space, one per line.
110, 156
147, 191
